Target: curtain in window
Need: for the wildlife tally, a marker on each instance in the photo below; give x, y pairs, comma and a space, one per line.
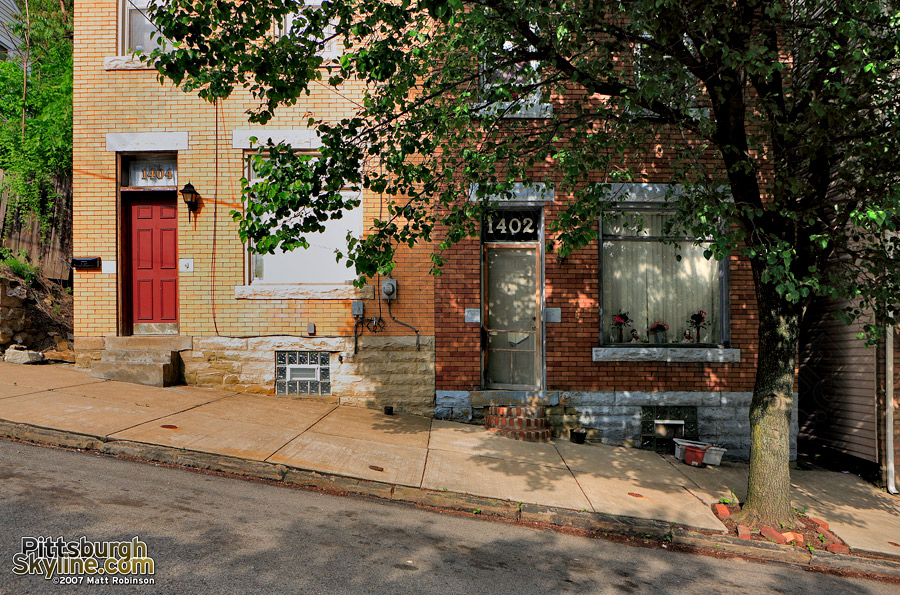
641, 276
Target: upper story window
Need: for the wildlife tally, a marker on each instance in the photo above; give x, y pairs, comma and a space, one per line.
315, 265
512, 88
329, 48
662, 75
669, 297
139, 34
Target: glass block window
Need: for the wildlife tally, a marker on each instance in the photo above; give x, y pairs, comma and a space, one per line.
302, 373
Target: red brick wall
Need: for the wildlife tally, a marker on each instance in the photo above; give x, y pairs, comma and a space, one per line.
573, 286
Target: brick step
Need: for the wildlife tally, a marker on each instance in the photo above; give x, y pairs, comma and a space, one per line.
517, 411
526, 435
533, 423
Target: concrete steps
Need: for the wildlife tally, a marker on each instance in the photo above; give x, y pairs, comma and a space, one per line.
150, 360
520, 423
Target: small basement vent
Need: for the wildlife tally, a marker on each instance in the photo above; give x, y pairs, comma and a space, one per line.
302, 373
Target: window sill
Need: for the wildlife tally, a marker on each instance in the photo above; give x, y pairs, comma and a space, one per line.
303, 292
718, 355
125, 63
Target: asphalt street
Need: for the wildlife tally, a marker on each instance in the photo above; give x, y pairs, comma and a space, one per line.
210, 534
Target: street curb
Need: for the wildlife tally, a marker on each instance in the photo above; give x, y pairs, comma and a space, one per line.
49, 436
786, 554
520, 512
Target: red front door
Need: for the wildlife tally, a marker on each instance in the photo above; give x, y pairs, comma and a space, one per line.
154, 264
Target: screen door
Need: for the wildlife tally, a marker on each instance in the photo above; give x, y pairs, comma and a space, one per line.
512, 325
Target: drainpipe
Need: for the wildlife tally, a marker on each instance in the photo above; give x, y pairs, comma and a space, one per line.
889, 410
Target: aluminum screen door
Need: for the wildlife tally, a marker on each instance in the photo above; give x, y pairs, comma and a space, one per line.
512, 324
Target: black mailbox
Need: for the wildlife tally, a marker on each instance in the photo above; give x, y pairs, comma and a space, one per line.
88, 262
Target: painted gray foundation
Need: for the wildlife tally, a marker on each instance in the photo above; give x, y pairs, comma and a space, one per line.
723, 417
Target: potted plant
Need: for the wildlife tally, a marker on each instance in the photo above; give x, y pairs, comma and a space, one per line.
620, 321
698, 321
659, 330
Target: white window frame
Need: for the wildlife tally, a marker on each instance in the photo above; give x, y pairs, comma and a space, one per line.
125, 9
329, 51
355, 219
694, 109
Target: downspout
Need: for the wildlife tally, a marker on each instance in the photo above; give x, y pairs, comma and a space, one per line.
889, 410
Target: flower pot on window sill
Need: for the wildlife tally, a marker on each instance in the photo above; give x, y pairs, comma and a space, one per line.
659, 337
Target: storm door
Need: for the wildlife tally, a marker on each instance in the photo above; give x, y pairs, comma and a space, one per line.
512, 284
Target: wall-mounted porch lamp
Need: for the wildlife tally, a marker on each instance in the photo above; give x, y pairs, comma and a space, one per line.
190, 198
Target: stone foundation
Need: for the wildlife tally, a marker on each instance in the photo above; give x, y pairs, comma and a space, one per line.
614, 417
384, 371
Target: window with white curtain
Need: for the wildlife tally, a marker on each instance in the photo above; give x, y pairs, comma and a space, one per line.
658, 284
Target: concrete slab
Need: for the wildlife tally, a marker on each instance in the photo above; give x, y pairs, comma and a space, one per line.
368, 424
11, 390
44, 376
504, 478
277, 412
199, 431
352, 457
166, 400
618, 462
669, 502
76, 413
712, 483
477, 441
858, 512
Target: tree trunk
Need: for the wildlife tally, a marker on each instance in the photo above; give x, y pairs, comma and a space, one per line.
769, 484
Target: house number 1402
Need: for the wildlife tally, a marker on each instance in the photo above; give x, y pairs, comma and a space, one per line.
514, 226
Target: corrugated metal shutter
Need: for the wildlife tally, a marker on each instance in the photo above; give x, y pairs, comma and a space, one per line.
838, 385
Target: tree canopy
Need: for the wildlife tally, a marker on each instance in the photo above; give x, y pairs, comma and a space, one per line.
36, 107
778, 119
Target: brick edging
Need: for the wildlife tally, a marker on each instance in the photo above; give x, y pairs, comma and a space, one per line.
481, 505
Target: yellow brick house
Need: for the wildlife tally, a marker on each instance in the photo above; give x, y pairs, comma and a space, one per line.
165, 291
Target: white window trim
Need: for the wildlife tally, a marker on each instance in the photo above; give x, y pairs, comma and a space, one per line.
306, 291
261, 290
333, 52
126, 60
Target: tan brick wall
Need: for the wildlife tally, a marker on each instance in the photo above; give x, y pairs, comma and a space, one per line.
134, 101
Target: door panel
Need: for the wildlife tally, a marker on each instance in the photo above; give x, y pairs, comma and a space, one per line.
154, 261
512, 325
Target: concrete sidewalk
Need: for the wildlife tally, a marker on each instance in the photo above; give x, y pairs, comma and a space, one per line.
423, 460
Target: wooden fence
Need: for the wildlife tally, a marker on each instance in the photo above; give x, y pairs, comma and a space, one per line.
53, 252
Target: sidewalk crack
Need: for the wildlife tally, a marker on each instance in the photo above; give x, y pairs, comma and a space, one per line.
578, 483
303, 431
